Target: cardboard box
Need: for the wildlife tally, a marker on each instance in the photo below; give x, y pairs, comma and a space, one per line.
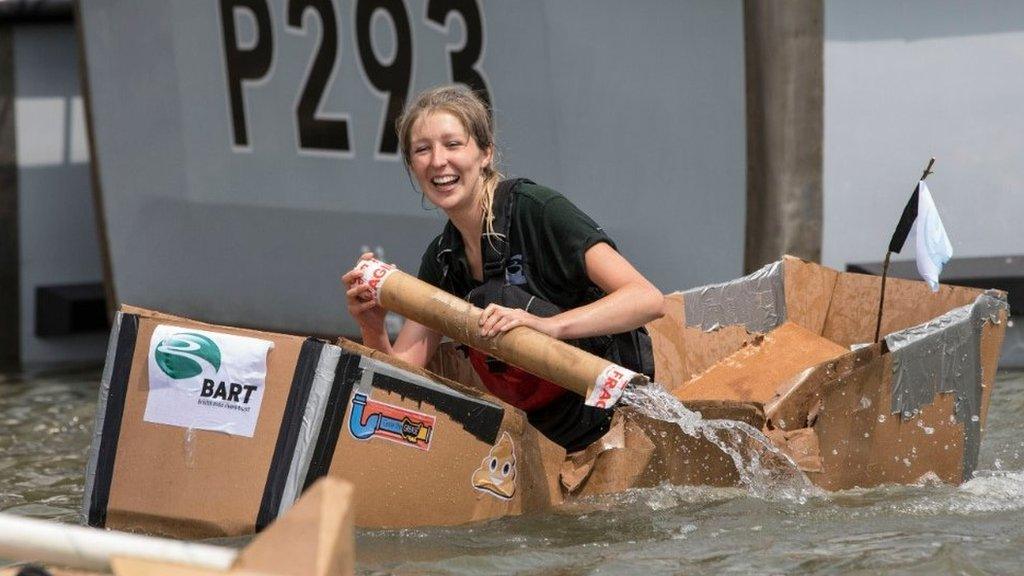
182, 481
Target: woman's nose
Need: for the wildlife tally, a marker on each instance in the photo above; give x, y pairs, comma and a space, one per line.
439, 158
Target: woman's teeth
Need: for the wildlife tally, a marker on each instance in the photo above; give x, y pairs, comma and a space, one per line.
444, 180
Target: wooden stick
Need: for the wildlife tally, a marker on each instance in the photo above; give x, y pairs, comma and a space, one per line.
888, 255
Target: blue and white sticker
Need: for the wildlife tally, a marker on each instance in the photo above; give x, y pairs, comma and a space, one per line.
206, 380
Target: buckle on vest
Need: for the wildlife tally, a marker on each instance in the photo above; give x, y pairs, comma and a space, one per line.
496, 366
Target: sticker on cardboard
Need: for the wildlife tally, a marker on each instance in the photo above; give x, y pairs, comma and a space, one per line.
497, 472
206, 380
369, 418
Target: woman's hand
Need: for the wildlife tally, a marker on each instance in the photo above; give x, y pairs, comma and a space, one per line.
361, 304
496, 319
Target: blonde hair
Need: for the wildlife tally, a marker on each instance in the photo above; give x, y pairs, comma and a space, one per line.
472, 112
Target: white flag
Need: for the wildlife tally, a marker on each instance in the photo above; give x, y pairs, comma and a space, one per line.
931, 243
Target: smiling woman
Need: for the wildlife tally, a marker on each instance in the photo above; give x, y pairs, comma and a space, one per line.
522, 252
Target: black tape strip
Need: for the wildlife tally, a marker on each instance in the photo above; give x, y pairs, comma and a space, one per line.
112, 417
479, 418
291, 423
345, 378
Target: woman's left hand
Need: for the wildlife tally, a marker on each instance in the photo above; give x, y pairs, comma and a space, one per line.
497, 319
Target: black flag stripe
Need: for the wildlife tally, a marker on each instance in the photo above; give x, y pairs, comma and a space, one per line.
899, 237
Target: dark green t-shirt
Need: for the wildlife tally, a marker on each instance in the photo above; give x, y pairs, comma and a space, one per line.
550, 236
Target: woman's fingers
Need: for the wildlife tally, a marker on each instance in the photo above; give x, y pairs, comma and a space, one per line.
497, 319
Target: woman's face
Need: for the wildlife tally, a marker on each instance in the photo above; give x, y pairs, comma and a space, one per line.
447, 163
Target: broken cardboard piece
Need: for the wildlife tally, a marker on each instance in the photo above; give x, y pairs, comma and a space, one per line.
755, 371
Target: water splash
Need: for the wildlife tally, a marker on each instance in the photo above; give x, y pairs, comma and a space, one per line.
764, 470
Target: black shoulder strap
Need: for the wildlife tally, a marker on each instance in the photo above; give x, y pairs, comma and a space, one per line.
496, 246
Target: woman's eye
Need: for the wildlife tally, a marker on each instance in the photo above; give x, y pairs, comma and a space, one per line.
454, 144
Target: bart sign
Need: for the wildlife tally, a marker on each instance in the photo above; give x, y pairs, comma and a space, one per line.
206, 380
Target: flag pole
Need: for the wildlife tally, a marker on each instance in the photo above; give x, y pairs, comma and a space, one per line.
888, 255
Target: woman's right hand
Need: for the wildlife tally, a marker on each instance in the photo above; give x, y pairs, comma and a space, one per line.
361, 304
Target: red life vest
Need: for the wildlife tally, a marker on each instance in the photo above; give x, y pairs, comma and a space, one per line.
517, 387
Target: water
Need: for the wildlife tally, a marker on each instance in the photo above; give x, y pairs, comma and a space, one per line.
763, 470
976, 528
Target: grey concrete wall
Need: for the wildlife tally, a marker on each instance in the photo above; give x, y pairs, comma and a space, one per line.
57, 230
905, 81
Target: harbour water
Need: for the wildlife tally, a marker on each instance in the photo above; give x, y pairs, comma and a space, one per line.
929, 528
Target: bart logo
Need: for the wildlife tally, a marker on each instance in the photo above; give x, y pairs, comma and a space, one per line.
181, 355
497, 472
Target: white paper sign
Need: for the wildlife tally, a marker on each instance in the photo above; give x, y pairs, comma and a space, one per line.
206, 380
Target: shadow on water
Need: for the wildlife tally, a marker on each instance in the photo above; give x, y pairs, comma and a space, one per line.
930, 528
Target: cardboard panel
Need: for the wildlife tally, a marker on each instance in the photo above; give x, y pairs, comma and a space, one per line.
797, 402
809, 289
854, 310
682, 352
668, 343
170, 481
449, 480
755, 372
640, 452
863, 444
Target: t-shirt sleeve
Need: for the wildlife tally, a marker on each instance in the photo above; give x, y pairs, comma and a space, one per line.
430, 269
567, 234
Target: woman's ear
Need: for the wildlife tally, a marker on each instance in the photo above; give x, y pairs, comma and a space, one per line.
488, 157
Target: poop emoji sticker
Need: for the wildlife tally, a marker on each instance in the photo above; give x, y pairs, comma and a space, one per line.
497, 472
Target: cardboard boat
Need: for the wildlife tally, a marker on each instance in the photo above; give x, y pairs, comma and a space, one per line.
786, 350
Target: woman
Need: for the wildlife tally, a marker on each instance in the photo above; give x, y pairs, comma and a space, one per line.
522, 252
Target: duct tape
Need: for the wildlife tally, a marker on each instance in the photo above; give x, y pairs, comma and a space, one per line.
609, 385
943, 355
309, 430
373, 272
101, 411
477, 416
756, 301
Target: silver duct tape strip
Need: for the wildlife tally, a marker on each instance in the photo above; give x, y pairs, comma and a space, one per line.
944, 356
309, 430
101, 412
756, 301
371, 367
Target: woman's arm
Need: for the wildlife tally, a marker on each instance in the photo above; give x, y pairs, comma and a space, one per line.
630, 301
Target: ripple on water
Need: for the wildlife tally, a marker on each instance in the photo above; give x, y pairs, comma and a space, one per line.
47, 428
